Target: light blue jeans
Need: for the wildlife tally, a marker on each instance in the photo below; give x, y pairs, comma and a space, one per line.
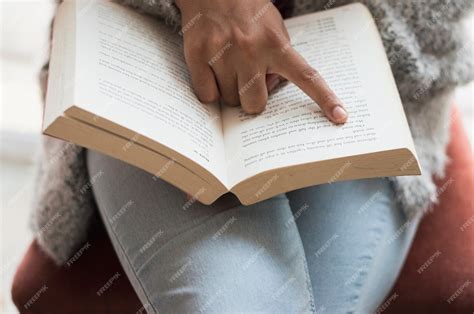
334, 248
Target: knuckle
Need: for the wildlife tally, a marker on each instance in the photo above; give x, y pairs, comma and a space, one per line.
276, 38
194, 49
250, 52
329, 101
245, 42
310, 74
217, 46
216, 41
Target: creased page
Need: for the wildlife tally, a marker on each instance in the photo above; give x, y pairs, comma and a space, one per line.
131, 71
344, 46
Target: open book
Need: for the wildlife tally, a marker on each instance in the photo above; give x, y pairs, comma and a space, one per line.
119, 84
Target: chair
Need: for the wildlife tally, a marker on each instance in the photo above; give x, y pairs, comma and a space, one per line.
436, 278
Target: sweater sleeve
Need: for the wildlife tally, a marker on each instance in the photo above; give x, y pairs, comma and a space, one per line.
424, 40
164, 9
64, 204
426, 44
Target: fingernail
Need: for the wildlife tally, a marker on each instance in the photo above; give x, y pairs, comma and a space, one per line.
339, 114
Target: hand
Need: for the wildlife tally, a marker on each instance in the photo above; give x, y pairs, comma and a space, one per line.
237, 51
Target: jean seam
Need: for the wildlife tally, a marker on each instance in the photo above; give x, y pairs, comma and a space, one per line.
309, 285
116, 242
376, 262
367, 266
130, 265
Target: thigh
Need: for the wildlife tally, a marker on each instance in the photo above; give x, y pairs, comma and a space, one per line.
355, 238
186, 257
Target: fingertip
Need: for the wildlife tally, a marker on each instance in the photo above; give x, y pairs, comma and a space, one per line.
208, 97
254, 109
256, 103
338, 114
203, 82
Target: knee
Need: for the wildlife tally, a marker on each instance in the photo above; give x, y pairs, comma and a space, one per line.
228, 269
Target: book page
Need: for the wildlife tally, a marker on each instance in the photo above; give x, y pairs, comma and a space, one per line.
344, 46
131, 70
60, 90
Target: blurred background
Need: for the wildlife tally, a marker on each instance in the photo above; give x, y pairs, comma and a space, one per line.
24, 45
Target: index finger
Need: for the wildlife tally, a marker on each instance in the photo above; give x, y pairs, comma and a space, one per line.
295, 68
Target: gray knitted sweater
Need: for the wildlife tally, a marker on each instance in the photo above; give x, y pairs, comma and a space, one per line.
429, 56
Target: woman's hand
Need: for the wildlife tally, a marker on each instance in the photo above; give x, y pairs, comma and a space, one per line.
236, 50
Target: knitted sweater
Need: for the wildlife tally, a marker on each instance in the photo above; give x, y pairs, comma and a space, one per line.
429, 57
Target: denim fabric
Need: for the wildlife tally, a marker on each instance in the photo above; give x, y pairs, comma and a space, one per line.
334, 248
355, 240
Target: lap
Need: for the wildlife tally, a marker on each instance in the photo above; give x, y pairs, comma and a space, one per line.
355, 239
183, 257
217, 258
